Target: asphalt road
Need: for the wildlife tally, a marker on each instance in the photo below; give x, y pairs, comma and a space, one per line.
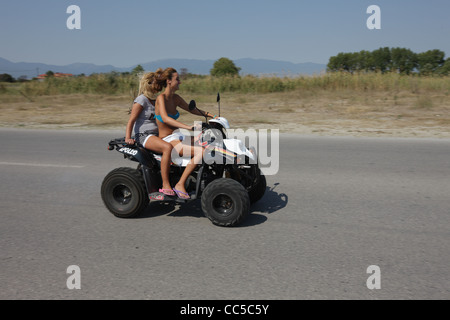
336, 207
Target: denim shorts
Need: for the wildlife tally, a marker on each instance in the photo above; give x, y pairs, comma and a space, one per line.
142, 137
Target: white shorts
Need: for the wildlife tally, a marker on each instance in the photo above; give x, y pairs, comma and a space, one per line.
146, 139
174, 136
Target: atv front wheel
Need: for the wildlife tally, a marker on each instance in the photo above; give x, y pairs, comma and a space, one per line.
225, 202
124, 193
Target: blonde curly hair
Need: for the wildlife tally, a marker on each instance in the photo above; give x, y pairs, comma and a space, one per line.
146, 85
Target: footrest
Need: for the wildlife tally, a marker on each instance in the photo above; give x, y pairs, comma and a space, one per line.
159, 196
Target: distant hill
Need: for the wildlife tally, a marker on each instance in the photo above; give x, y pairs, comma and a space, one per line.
248, 66
29, 69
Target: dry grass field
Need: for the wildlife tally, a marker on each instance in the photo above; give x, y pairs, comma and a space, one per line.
419, 110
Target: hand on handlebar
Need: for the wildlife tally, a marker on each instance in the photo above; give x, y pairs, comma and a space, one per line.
197, 127
130, 141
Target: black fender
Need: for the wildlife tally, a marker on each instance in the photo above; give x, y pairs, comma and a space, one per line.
133, 152
148, 165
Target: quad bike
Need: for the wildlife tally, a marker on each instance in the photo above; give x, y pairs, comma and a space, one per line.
227, 181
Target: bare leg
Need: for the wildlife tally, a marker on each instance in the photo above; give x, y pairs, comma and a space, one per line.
187, 150
156, 144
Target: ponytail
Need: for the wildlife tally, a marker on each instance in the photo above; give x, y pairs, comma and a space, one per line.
161, 77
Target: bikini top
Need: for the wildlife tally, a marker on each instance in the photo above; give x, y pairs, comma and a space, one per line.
173, 116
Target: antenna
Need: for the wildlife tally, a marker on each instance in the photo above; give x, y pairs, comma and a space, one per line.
218, 101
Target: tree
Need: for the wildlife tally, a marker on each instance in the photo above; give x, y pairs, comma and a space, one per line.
184, 73
333, 64
430, 61
403, 60
50, 73
364, 60
5, 77
22, 78
445, 69
224, 67
400, 60
349, 62
381, 59
138, 69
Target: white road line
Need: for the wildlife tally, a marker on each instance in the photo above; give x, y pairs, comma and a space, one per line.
39, 165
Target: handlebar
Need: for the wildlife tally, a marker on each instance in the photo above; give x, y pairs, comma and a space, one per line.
119, 142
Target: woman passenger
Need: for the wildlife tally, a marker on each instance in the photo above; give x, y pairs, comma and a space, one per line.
142, 119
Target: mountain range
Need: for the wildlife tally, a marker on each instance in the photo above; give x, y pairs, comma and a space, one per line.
248, 66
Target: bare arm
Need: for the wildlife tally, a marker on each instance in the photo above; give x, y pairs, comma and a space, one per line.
135, 111
183, 104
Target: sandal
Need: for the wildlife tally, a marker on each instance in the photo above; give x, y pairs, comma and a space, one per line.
167, 192
181, 194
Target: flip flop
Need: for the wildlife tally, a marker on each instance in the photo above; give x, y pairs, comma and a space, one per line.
167, 192
181, 194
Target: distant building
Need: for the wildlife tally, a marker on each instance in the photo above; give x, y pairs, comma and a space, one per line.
56, 75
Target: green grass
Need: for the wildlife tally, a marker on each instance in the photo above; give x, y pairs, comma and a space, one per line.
116, 84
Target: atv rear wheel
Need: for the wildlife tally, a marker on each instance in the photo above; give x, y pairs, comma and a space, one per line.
124, 193
225, 202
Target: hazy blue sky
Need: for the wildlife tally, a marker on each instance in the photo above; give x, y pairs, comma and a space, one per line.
125, 33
